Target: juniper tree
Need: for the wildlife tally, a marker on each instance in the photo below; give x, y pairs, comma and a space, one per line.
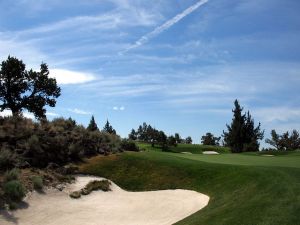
242, 135
22, 89
92, 125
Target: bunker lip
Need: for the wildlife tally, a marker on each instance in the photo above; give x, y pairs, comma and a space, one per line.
112, 208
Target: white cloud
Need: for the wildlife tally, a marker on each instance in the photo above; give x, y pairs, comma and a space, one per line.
79, 111
144, 39
64, 76
117, 108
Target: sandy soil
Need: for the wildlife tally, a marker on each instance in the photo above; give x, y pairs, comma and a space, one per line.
210, 153
117, 207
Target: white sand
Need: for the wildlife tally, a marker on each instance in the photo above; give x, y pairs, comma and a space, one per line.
210, 153
117, 207
186, 153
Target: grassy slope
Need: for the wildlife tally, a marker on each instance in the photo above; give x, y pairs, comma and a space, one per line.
239, 194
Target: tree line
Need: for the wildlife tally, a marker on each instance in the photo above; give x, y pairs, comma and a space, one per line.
149, 134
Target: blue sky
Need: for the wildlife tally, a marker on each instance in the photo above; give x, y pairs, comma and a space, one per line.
176, 64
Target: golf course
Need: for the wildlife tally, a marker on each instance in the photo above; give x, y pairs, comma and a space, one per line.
247, 188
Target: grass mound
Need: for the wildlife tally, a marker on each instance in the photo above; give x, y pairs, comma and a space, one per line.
95, 185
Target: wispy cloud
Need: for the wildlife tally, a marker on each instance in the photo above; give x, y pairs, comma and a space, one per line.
144, 39
277, 114
80, 111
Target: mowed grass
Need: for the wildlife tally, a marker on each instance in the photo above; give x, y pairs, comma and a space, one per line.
262, 192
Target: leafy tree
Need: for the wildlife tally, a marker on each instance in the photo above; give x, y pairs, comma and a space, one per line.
242, 135
188, 140
108, 128
285, 141
92, 125
210, 139
21, 89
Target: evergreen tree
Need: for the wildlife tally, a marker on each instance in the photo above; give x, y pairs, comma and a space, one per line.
242, 135
285, 141
92, 125
108, 128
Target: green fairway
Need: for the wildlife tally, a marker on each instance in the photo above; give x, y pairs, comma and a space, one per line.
192, 148
292, 160
243, 189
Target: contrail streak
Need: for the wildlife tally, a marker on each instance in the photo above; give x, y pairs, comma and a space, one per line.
144, 39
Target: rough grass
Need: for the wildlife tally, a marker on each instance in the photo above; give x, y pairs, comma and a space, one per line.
37, 182
254, 194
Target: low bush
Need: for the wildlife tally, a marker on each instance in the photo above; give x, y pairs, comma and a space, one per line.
14, 190
37, 182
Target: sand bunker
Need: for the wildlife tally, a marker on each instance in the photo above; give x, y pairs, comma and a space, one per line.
267, 155
210, 153
106, 208
186, 153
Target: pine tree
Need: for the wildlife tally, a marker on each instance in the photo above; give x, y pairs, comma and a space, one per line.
92, 125
242, 135
108, 128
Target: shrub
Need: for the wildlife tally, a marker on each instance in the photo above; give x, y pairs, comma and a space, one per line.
14, 190
37, 182
129, 146
12, 175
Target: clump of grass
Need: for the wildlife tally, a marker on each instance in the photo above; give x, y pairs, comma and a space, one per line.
95, 185
14, 190
37, 182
